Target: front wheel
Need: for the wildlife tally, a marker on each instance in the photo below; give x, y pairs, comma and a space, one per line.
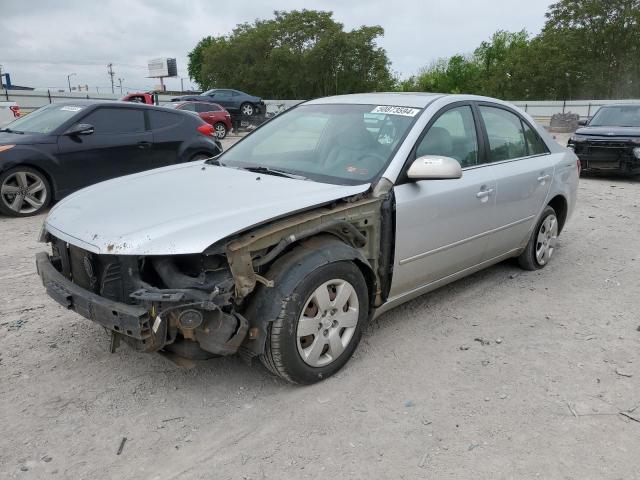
24, 191
320, 324
247, 109
542, 243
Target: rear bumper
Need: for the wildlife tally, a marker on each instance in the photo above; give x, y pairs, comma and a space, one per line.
129, 320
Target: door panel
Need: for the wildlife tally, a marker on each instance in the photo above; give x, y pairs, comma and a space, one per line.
523, 181
441, 227
119, 146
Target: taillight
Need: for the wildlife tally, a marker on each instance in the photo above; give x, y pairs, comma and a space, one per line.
16, 110
207, 130
579, 166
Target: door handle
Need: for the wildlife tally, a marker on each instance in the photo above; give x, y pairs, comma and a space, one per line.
144, 144
544, 178
484, 193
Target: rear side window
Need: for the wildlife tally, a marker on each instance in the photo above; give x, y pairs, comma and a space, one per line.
453, 135
203, 107
163, 119
506, 137
108, 121
535, 145
191, 107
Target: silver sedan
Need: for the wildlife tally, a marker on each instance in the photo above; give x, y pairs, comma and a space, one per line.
283, 247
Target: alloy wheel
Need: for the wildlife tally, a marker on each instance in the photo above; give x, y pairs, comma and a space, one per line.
546, 240
24, 192
327, 323
221, 130
247, 109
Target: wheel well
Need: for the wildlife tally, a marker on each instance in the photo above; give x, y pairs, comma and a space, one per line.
559, 204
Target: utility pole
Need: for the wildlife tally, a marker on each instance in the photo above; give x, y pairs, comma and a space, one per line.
120, 80
181, 84
111, 74
69, 80
1, 85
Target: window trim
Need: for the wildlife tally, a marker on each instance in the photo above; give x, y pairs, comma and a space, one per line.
486, 137
402, 177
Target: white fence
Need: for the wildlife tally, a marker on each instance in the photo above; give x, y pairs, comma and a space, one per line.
542, 111
29, 100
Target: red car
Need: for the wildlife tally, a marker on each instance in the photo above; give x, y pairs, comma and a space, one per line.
211, 113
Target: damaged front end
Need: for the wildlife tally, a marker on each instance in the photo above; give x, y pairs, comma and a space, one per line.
193, 305
181, 304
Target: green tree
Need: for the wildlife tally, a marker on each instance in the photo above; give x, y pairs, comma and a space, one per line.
296, 54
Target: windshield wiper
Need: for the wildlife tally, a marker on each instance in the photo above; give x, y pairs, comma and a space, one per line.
273, 171
8, 130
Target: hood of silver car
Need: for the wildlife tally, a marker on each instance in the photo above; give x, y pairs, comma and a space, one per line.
181, 209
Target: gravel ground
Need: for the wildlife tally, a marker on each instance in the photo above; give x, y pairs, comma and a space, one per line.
504, 375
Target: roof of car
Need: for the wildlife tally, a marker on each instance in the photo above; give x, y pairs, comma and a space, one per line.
399, 99
108, 103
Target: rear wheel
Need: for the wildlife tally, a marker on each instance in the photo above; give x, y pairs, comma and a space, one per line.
542, 243
221, 130
247, 109
320, 324
24, 191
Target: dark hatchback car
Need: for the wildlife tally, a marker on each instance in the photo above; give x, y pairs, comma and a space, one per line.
610, 141
63, 147
235, 101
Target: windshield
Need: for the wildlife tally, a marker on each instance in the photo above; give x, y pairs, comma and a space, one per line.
622, 116
45, 119
342, 144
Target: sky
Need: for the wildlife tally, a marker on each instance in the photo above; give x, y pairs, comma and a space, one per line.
43, 41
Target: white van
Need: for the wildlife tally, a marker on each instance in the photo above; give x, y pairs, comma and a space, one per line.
9, 111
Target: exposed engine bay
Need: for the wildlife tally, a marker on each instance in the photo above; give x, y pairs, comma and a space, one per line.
193, 305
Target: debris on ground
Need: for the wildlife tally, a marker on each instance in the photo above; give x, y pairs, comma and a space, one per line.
15, 325
623, 373
121, 447
464, 347
482, 341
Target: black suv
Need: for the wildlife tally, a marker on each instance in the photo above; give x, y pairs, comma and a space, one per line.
610, 141
63, 147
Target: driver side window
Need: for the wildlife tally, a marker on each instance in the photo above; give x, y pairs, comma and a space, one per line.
452, 135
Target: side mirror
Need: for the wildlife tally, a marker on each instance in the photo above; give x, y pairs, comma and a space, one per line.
434, 167
80, 129
583, 123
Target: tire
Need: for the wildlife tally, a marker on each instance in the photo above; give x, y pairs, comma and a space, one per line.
314, 336
221, 130
247, 109
24, 191
542, 243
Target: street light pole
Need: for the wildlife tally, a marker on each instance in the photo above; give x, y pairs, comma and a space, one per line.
120, 80
69, 80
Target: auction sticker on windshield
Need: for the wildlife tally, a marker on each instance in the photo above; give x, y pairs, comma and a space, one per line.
70, 109
389, 110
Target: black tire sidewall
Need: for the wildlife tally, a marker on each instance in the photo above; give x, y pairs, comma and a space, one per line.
296, 369
5, 210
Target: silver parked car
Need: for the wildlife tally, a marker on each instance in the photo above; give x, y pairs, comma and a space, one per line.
337, 210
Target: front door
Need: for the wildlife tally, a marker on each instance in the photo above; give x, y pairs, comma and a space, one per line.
441, 225
120, 145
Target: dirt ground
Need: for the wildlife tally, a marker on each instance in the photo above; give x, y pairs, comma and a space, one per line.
504, 375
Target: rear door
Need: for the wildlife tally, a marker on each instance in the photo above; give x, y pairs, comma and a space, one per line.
524, 170
441, 225
120, 145
207, 112
168, 129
